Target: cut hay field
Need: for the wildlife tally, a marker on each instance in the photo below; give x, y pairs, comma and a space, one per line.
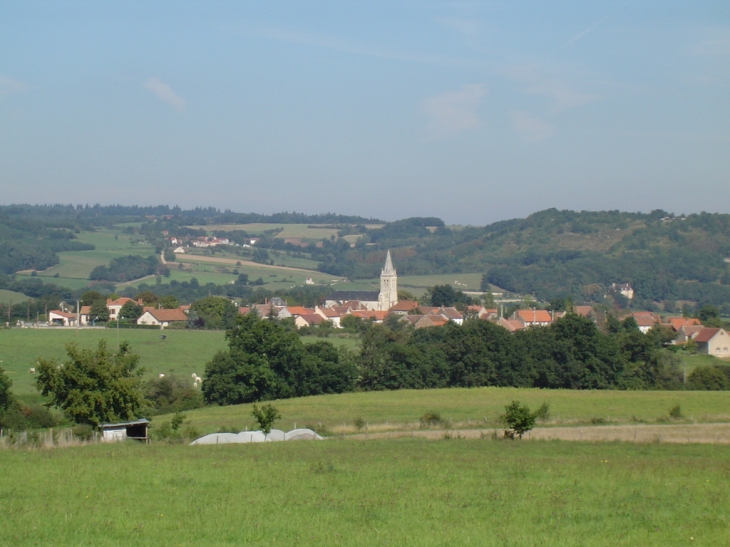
470, 408
409, 492
182, 353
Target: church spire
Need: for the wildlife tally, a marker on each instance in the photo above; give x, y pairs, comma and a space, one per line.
388, 269
388, 296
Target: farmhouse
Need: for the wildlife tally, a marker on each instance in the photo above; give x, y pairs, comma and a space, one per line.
62, 318
713, 342
162, 317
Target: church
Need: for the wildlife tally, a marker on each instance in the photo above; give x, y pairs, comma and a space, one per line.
381, 300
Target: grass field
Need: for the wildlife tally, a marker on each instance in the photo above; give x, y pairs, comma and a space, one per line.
12, 297
75, 266
371, 493
182, 353
474, 407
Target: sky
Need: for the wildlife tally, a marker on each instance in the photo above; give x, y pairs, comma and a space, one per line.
470, 111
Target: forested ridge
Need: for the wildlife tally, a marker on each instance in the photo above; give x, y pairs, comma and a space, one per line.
550, 254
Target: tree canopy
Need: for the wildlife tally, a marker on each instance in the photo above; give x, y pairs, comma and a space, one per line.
93, 386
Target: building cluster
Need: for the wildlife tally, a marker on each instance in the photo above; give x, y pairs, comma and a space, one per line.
180, 244
376, 306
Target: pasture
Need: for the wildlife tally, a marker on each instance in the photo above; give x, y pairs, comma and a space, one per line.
182, 352
74, 267
378, 492
12, 297
384, 411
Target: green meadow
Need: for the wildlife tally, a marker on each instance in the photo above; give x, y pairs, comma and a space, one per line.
409, 492
12, 297
469, 407
182, 352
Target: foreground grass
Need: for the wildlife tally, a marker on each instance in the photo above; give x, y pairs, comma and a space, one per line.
475, 407
402, 492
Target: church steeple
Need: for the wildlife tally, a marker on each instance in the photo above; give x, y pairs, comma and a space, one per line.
388, 296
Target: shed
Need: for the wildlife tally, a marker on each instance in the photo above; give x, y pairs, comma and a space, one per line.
136, 430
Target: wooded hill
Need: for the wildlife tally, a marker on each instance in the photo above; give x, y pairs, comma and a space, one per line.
550, 254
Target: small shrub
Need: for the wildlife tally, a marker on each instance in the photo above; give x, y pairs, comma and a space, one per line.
359, 424
543, 413
676, 412
518, 418
83, 432
597, 420
430, 419
265, 416
177, 421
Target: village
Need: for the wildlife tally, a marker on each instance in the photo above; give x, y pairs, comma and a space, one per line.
377, 306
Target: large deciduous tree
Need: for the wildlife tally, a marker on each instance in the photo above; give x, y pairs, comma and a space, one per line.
93, 386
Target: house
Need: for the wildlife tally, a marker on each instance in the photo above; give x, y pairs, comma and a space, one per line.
713, 342
675, 323
329, 314
404, 307
645, 322
584, 311
179, 250
624, 289
62, 318
426, 321
687, 333
115, 305
511, 325
85, 315
376, 316
308, 320
161, 317
532, 318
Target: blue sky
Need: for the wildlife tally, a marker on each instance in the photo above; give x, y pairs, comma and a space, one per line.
469, 111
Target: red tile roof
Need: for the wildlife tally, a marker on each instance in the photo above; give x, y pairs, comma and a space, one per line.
707, 334
404, 305
299, 310
164, 315
533, 316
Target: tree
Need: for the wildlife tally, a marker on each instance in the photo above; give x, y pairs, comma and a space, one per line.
89, 297
265, 416
518, 418
130, 310
93, 386
216, 311
168, 302
6, 396
148, 298
99, 311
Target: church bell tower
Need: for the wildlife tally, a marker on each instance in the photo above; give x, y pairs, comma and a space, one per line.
388, 296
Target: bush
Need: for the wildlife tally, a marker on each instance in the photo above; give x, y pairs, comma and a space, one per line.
543, 413
675, 412
21, 417
83, 432
518, 418
359, 424
172, 394
430, 419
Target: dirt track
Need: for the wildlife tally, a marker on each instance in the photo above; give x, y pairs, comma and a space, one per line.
675, 433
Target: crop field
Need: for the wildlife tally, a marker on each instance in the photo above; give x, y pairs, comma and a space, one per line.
182, 352
462, 281
362, 493
287, 230
471, 408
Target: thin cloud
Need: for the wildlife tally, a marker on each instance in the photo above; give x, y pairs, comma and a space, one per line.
529, 127
562, 95
326, 42
581, 34
712, 48
164, 92
455, 111
9, 86
467, 27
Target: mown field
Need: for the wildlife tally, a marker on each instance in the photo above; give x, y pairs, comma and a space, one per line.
371, 493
